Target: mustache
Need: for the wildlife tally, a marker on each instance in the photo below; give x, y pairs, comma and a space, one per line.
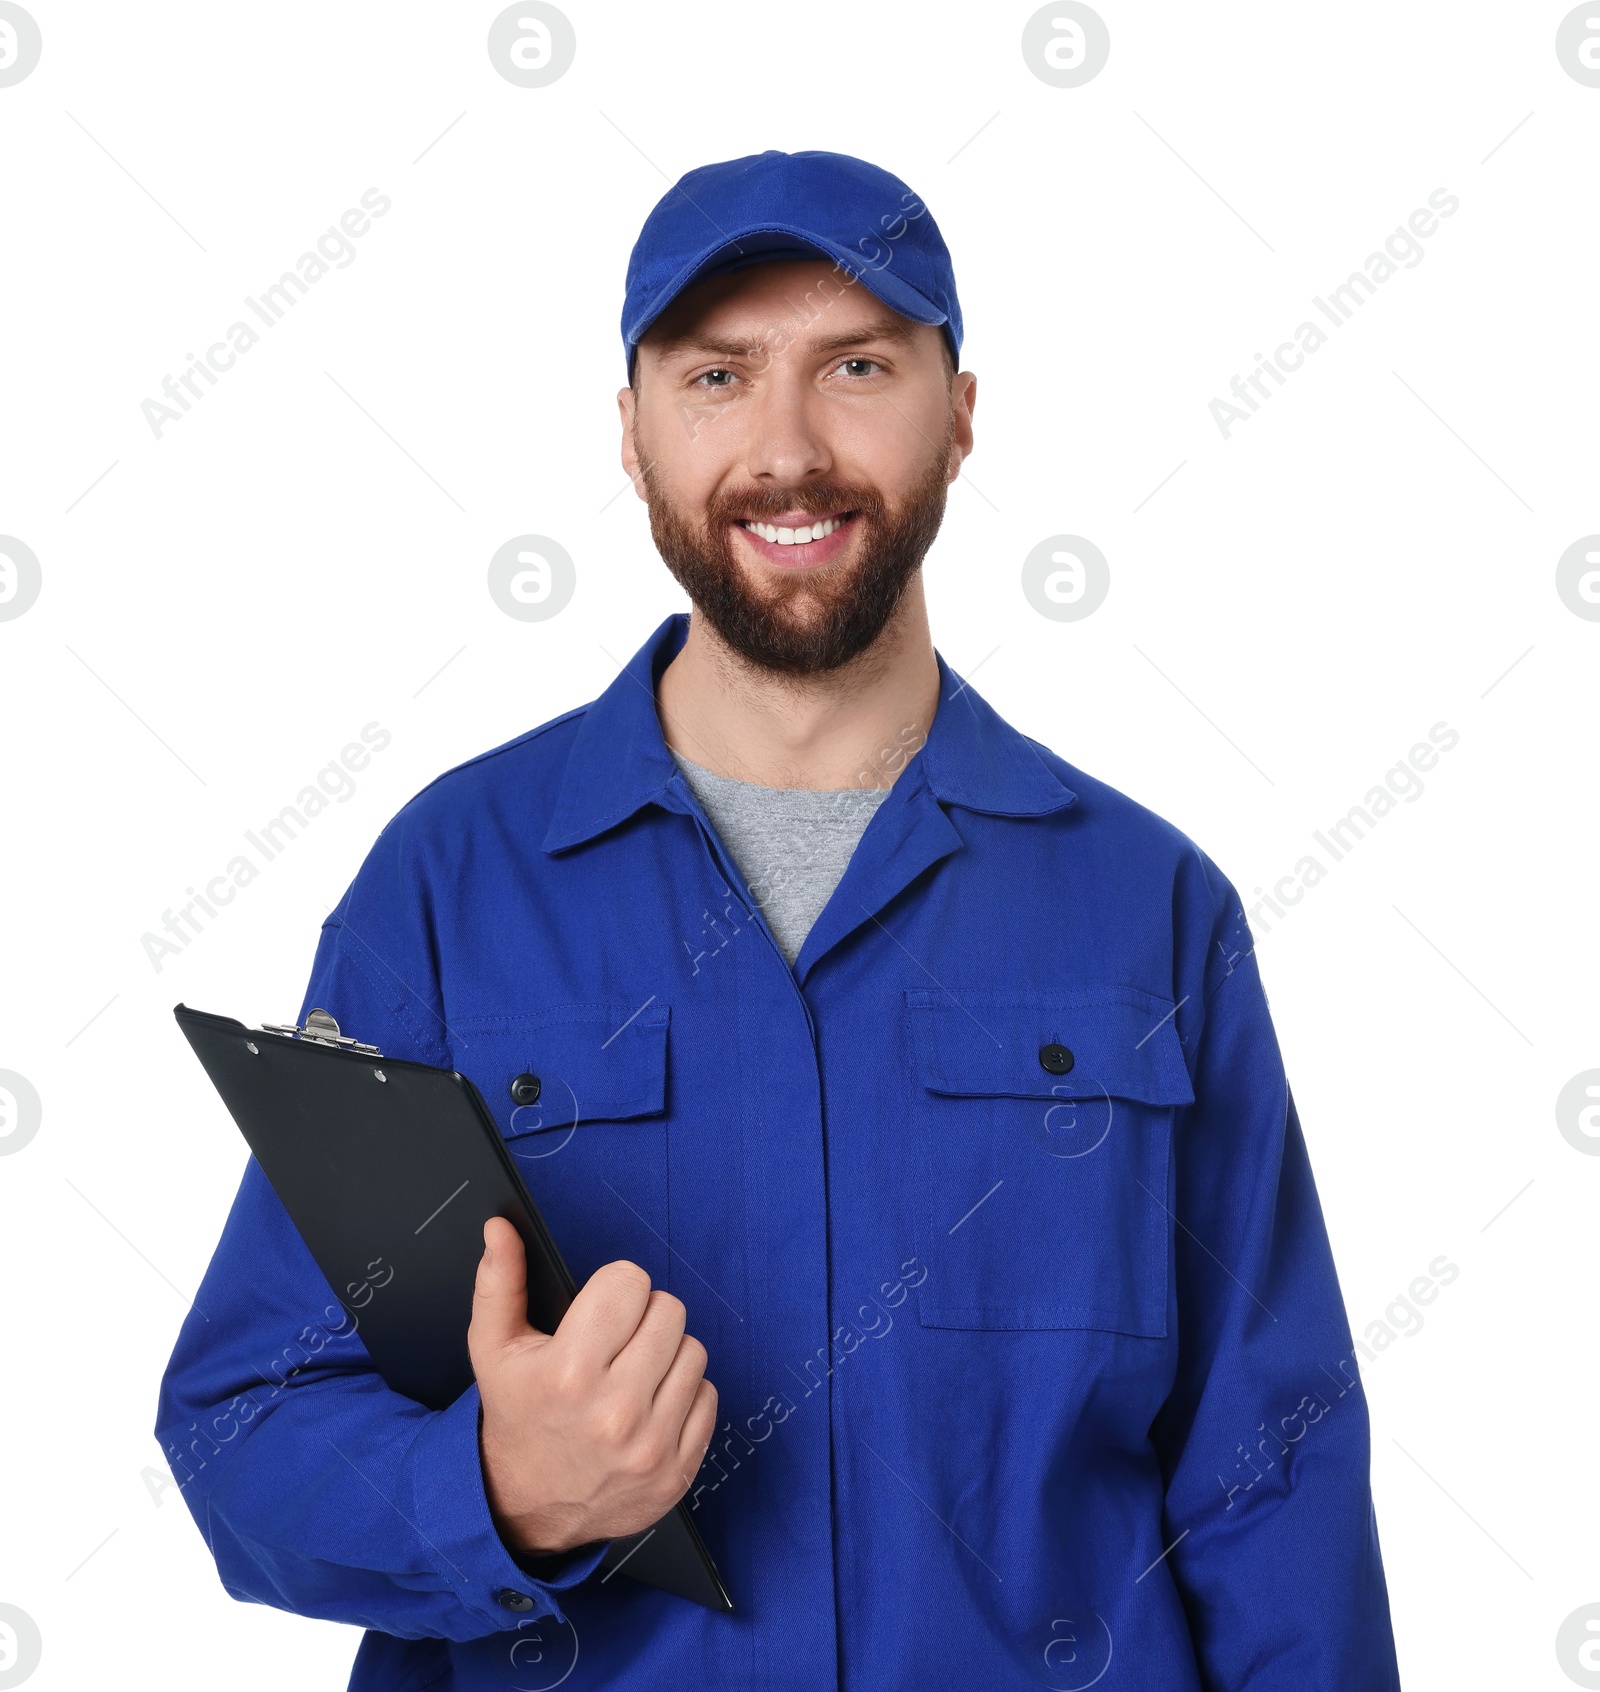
816, 499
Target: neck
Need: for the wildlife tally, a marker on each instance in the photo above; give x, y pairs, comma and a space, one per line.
856, 726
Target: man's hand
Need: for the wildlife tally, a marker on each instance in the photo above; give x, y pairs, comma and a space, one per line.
594, 1431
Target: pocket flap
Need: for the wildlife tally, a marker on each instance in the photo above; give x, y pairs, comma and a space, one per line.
1122, 1041
594, 1062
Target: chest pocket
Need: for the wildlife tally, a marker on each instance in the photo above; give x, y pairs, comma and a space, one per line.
1044, 1133
580, 1094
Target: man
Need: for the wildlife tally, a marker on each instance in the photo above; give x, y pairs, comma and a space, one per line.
924, 1080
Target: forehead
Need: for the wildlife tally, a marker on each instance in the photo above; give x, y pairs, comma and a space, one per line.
774, 304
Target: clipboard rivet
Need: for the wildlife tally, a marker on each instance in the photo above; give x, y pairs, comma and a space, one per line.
253, 1049
380, 1075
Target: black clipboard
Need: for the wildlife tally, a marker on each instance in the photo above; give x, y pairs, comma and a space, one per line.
379, 1158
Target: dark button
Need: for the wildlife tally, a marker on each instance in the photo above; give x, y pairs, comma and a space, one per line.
1057, 1059
509, 1600
526, 1089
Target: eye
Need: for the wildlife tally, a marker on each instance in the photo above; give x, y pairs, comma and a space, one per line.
861, 368
718, 378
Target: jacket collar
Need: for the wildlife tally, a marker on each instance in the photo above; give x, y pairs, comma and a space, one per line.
619, 761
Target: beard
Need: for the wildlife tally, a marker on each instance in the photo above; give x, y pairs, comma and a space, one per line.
824, 617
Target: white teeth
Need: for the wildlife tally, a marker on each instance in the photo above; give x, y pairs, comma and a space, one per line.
793, 537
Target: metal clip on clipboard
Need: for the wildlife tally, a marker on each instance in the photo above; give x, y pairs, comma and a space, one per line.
321, 1027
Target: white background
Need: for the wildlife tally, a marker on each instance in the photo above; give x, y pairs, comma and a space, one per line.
1373, 553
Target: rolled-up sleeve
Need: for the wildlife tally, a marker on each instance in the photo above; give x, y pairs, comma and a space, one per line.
1264, 1438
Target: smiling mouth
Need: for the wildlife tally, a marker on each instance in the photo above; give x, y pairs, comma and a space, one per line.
775, 534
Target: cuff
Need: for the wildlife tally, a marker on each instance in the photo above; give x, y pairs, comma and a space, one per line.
450, 1510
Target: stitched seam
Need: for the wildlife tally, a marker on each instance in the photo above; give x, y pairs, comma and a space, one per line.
399, 1012
656, 1017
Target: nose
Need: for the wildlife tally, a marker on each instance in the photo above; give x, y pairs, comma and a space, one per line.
786, 443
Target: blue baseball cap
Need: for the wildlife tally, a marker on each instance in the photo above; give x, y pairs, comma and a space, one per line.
775, 205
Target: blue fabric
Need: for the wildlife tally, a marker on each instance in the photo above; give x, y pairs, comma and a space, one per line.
1019, 1367
777, 205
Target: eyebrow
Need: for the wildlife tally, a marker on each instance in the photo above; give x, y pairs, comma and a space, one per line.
880, 329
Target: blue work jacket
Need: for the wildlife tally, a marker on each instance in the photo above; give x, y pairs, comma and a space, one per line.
993, 1212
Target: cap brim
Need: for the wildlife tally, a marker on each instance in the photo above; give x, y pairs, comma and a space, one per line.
771, 243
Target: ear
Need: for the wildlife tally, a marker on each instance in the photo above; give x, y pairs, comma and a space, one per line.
630, 456
963, 397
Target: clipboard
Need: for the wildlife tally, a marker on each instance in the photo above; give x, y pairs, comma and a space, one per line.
389, 1165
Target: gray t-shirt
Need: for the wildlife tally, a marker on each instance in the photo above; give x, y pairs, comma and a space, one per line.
792, 843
